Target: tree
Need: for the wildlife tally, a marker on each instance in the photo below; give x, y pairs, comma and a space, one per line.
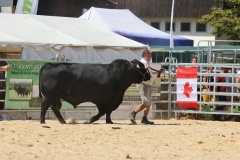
225, 20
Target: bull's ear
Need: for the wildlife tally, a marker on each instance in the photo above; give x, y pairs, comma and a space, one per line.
134, 61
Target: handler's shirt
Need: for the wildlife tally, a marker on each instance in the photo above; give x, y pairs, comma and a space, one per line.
147, 64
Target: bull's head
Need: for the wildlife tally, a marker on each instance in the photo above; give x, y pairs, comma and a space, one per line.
139, 67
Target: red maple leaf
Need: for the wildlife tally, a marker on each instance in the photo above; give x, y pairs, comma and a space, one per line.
187, 89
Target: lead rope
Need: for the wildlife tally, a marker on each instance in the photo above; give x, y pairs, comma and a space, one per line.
159, 71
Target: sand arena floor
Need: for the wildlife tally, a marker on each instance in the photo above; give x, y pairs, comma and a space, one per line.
168, 139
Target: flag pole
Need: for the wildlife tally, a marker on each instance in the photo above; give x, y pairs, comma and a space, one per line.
171, 27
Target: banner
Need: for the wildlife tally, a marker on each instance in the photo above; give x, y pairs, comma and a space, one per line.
187, 88
22, 91
26, 7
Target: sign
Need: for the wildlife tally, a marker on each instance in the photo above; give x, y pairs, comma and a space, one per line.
27, 7
22, 90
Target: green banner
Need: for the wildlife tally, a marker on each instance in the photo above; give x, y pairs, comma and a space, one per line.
22, 90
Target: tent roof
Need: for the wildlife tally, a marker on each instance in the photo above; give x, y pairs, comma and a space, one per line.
23, 29
125, 23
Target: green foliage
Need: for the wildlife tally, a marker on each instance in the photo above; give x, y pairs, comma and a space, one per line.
226, 20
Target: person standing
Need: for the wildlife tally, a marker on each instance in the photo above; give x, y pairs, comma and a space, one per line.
234, 80
3, 67
222, 79
208, 87
145, 91
195, 60
238, 81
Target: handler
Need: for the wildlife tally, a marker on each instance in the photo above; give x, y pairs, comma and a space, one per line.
145, 91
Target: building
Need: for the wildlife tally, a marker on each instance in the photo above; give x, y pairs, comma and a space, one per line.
157, 13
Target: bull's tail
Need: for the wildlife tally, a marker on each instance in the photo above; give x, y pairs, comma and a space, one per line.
42, 68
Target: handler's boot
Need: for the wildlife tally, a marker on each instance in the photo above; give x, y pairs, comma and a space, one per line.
132, 116
146, 121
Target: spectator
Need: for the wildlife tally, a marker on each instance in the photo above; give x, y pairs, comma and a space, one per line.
208, 88
3, 67
238, 81
222, 79
195, 60
234, 87
230, 88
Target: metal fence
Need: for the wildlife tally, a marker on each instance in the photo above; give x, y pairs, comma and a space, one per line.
205, 107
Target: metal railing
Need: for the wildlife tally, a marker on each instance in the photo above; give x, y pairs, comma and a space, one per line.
205, 107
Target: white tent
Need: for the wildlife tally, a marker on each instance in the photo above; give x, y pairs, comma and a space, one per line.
42, 37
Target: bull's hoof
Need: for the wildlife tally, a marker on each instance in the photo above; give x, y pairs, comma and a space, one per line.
63, 122
109, 122
42, 122
90, 121
87, 122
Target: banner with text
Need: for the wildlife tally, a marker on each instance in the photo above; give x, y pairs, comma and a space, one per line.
22, 91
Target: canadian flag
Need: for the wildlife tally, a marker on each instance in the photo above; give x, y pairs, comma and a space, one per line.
187, 87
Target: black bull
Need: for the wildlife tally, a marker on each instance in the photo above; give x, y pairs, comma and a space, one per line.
101, 84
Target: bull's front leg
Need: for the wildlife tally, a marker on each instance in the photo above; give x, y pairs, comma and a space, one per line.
42, 116
108, 118
95, 118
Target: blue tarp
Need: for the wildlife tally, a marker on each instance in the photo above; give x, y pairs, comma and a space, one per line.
125, 23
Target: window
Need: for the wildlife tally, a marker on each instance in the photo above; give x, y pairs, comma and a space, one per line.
155, 25
185, 27
201, 27
167, 26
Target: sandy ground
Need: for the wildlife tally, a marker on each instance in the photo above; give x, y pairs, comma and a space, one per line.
168, 139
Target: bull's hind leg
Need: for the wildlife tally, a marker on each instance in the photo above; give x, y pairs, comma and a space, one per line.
101, 112
45, 105
56, 110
